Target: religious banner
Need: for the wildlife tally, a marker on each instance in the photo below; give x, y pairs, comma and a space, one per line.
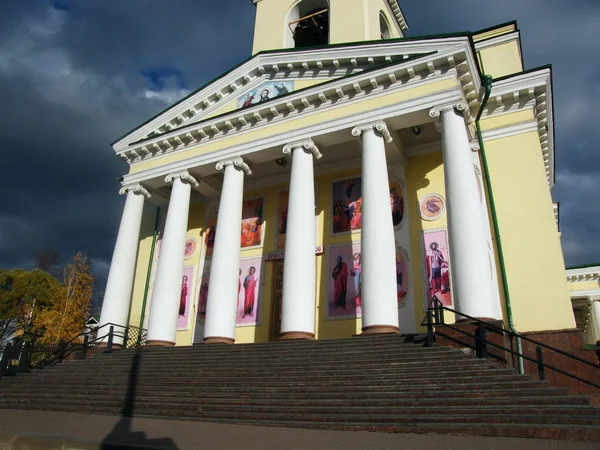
203, 291
436, 267
396, 202
402, 276
187, 284
346, 205
249, 291
265, 92
252, 223
210, 231
344, 275
282, 213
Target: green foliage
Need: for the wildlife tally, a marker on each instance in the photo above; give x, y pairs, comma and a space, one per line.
21, 293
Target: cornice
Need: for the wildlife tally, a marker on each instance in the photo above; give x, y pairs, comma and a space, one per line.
532, 88
312, 131
307, 144
585, 293
398, 14
337, 92
329, 62
585, 274
493, 42
511, 130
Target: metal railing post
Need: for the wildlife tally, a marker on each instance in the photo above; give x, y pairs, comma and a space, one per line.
481, 349
86, 340
126, 337
429, 329
5, 359
540, 363
111, 333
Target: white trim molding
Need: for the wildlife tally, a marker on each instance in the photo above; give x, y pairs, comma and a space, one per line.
493, 42
583, 274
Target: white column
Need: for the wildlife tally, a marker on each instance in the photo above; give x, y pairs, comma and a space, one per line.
221, 305
378, 246
164, 306
471, 271
298, 304
117, 296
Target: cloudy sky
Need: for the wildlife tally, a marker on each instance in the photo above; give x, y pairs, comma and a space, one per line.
77, 74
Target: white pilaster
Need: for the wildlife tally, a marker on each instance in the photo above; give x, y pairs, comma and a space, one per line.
471, 264
222, 300
298, 304
378, 247
117, 296
164, 306
594, 323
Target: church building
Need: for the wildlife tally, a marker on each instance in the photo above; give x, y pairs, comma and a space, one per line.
338, 181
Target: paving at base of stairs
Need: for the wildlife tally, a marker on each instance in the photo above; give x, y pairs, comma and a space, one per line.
58, 430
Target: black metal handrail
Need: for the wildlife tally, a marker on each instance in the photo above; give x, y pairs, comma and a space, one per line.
435, 316
83, 342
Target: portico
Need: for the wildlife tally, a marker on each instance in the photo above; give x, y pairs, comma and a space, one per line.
328, 192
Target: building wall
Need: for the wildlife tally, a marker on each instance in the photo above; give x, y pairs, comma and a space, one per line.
501, 60
533, 255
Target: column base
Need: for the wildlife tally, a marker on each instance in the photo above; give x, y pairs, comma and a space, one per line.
297, 335
218, 340
104, 345
160, 344
379, 329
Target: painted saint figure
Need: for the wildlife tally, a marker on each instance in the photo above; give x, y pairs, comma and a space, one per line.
435, 260
356, 274
249, 294
203, 297
397, 207
281, 90
248, 101
340, 277
183, 297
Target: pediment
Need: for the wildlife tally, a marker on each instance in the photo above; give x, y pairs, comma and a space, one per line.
281, 73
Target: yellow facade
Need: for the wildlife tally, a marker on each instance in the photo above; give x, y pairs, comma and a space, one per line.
534, 267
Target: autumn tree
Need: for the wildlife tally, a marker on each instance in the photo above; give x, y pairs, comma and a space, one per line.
22, 294
66, 317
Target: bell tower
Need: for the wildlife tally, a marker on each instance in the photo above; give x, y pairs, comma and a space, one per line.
284, 24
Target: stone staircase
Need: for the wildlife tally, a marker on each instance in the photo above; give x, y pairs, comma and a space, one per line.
362, 383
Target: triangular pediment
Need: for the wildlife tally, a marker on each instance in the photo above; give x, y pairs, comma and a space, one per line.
276, 74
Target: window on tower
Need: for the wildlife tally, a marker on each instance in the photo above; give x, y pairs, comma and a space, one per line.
384, 28
309, 23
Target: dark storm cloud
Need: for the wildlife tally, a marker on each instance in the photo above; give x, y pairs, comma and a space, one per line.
76, 75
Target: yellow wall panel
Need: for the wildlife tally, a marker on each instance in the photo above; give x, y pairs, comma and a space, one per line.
501, 60
533, 256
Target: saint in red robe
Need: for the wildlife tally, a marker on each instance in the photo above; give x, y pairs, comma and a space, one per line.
249, 296
340, 277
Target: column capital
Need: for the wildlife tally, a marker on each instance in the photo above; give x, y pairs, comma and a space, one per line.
136, 188
184, 176
238, 163
307, 144
380, 126
474, 145
461, 106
